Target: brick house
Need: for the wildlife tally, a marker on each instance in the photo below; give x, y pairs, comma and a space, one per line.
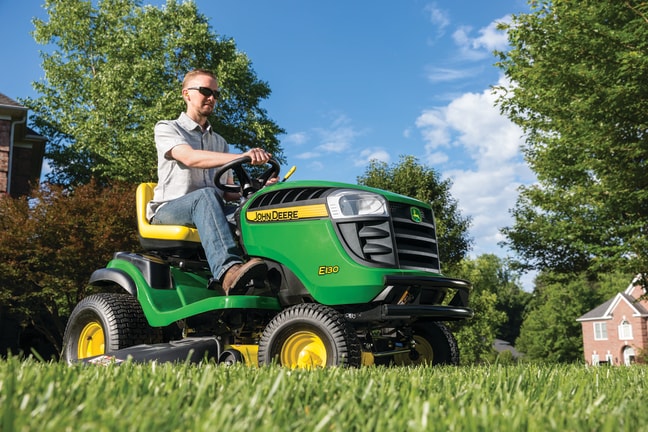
615, 332
21, 149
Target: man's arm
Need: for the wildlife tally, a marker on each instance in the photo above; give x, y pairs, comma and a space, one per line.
204, 159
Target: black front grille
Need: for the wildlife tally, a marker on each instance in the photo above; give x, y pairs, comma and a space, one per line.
417, 246
416, 242
402, 243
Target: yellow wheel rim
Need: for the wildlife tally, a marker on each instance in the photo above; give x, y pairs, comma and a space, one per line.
424, 350
303, 350
92, 341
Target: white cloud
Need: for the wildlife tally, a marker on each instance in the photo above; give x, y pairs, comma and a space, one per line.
368, 155
438, 74
338, 137
489, 136
438, 17
471, 124
436, 158
333, 141
473, 47
433, 126
315, 166
297, 138
486, 196
308, 155
334, 146
488, 39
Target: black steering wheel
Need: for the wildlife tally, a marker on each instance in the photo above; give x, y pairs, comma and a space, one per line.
247, 185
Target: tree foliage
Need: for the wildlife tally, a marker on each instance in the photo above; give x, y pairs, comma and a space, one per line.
475, 337
50, 244
491, 273
113, 68
410, 178
578, 75
550, 332
498, 302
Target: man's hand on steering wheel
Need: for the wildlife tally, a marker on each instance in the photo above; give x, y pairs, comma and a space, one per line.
258, 156
247, 185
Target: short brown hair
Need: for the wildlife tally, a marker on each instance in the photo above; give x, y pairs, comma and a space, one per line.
196, 72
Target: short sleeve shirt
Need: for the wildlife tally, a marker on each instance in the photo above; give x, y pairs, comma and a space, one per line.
174, 178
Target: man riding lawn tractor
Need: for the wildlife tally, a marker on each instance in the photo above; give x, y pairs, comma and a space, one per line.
302, 273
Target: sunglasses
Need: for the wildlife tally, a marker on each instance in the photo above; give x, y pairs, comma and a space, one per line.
206, 91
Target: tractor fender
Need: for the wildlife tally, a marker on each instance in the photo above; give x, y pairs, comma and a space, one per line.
109, 276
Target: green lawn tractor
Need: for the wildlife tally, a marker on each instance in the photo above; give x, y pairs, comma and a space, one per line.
353, 279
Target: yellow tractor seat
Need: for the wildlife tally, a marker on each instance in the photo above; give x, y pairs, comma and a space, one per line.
161, 237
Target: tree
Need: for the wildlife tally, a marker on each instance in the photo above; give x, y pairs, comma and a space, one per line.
475, 337
491, 273
578, 89
498, 302
410, 178
50, 244
550, 332
114, 69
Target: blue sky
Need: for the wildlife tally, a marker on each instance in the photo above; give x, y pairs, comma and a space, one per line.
356, 80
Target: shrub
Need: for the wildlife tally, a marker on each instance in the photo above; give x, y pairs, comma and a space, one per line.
52, 242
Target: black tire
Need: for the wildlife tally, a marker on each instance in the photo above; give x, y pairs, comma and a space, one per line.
105, 322
435, 345
309, 335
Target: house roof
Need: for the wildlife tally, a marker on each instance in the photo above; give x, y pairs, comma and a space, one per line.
598, 312
501, 345
8, 102
32, 135
17, 111
604, 311
638, 307
636, 283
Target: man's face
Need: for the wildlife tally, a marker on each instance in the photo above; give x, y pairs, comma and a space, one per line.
196, 101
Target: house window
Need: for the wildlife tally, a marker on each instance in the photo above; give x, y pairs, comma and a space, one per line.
625, 330
600, 331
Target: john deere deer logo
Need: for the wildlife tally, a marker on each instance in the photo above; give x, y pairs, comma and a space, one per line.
416, 215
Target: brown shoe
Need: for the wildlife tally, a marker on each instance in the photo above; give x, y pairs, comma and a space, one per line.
238, 276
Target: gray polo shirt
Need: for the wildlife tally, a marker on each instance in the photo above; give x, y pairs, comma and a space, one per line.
174, 178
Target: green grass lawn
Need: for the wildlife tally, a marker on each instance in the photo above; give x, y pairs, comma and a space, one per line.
182, 397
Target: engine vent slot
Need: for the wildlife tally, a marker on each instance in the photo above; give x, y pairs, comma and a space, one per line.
288, 196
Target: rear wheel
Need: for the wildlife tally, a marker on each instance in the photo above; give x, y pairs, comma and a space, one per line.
434, 345
307, 336
105, 322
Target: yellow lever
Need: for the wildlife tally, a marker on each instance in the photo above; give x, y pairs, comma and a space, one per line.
289, 173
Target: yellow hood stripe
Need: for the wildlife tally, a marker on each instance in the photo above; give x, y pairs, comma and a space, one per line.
287, 213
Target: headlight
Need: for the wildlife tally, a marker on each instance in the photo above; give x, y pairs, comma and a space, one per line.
351, 203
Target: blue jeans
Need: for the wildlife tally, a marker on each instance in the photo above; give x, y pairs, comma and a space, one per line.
204, 209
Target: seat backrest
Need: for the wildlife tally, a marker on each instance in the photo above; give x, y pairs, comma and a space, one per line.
155, 236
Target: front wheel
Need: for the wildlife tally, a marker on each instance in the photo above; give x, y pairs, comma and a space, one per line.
105, 322
307, 336
434, 345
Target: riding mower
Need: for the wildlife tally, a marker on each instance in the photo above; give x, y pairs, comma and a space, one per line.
353, 279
